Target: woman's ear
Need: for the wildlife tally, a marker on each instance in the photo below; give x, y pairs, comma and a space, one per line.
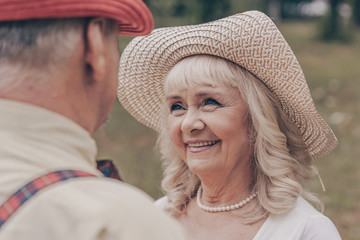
95, 49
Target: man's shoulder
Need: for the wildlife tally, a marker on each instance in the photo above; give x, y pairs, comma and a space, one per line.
96, 191
161, 202
85, 207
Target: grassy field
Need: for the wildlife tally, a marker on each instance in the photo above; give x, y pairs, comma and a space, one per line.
333, 74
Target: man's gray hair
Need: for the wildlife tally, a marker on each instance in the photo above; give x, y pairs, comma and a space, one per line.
38, 42
39, 45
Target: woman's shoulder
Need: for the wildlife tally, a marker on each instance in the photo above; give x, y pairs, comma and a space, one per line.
305, 211
318, 226
161, 202
302, 222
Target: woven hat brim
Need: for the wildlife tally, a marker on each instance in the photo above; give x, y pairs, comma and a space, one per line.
249, 39
133, 16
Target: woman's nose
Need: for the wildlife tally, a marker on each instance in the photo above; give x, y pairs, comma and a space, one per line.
192, 122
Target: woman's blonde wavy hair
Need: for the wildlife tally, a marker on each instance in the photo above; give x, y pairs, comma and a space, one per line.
280, 162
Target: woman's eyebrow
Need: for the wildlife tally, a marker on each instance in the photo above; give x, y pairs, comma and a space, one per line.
204, 94
172, 97
199, 94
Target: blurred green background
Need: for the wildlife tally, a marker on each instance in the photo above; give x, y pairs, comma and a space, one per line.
325, 36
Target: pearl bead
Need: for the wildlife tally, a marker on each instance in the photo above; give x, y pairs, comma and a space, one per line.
222, 208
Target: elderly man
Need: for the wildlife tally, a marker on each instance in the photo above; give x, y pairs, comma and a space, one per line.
58, 75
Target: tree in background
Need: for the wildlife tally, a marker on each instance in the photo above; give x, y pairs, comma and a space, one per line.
199, 11
272, 8
213, 9
356, 12
284, 9
179, 8
331, 26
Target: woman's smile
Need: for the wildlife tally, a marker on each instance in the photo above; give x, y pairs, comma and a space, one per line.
200, 146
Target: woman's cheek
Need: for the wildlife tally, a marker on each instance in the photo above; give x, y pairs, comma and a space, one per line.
174, 128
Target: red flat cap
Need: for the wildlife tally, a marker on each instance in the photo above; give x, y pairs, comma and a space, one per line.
133, 15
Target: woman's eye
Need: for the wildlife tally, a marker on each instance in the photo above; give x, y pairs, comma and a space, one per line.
176, 107
211, 101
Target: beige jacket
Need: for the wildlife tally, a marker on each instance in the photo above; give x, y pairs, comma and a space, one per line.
34, 141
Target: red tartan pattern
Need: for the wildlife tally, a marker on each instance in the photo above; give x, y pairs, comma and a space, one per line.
30, 189
108, 168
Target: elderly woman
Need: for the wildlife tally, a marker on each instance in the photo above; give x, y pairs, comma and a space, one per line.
238, 129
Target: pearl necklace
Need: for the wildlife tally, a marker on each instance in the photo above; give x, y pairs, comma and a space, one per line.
223, 208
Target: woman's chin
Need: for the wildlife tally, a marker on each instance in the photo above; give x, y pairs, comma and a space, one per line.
202, 167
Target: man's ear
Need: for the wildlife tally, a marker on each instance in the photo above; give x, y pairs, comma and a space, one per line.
95, 48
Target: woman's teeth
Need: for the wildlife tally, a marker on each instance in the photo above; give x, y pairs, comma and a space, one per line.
201, 144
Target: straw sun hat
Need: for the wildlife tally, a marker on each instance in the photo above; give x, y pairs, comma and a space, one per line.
133, 15
249, 39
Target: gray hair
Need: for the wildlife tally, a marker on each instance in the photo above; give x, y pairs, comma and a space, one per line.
42, 44
38, 42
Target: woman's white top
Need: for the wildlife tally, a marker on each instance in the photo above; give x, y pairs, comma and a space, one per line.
303, 222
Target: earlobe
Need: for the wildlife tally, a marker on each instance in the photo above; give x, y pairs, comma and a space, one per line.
95, 49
